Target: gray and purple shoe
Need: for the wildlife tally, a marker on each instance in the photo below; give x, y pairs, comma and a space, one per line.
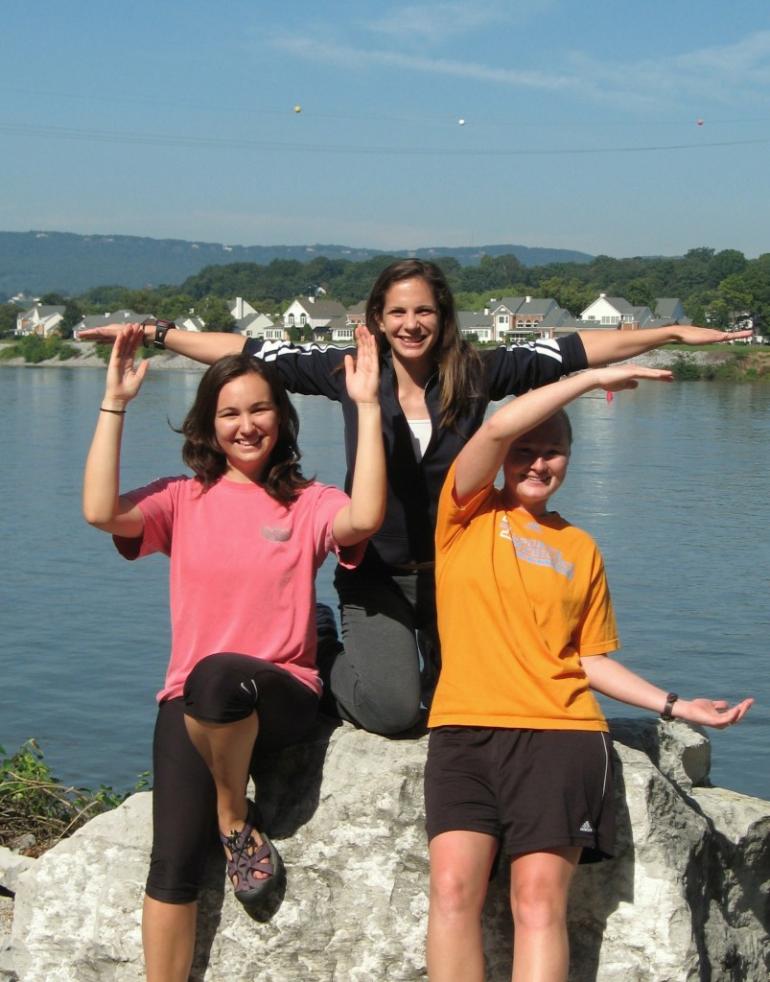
255, 870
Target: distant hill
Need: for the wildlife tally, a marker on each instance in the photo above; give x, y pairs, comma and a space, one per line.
63, 262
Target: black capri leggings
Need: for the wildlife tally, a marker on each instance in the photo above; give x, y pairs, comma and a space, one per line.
222, 688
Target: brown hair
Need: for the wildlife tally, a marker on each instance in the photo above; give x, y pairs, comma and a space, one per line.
458, 362
282, 477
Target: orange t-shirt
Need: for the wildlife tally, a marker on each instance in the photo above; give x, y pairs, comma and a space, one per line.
520, 601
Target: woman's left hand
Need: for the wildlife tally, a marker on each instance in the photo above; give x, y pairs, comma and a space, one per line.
362, 374
711, 712
690, 334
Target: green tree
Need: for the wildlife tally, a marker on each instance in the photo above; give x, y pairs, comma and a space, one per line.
8, 315
73, 314
215, 313
726, 263
174, 306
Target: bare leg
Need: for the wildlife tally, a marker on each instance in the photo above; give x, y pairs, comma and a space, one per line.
226, 748
168, 937
540, 884
459, 873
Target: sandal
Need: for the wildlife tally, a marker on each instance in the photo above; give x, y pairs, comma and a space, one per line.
246, 859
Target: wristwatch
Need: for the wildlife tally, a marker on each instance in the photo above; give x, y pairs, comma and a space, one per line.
671, 698
161, 330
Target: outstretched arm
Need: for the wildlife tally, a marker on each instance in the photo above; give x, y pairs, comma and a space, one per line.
102, 505
204, 346
483, 455
363, 516
603, 346
618, 682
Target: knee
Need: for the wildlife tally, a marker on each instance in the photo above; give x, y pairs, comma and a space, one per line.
215, 692
385, 713
535, 907
453, 895
389, 720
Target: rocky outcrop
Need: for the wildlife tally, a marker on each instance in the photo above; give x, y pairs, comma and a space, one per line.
686, 898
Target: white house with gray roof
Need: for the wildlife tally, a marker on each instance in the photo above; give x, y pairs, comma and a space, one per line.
671, 310
258, 325
40, 319
319, 315
240, 308
615, 313
124, 316
356, 314
558, 323
519, 318
475, 324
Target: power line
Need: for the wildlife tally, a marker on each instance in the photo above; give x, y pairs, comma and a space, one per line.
80, 135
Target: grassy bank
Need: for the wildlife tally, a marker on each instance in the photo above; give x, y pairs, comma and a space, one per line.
37, 810
733, 364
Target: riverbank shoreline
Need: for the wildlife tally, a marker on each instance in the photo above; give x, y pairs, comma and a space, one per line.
744, 363
87, 358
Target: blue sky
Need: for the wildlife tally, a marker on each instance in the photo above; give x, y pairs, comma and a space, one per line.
581, 122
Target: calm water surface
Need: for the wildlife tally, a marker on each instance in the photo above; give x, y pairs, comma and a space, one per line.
672, 481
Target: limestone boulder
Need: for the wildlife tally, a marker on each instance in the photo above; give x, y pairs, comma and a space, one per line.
686, 898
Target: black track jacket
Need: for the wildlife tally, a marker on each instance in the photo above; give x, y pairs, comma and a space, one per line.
414, 486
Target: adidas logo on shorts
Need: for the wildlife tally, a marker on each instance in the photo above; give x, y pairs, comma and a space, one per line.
586, 826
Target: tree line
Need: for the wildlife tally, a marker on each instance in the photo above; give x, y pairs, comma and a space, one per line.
715, 287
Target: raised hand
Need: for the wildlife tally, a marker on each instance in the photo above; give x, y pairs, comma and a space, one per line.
689, 334
711, 712
616, 378
102, 335
362, 374
124, 378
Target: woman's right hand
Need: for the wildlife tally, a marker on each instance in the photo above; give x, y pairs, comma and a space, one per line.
107, 334
124, 377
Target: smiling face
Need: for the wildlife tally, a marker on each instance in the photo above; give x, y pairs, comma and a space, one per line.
246, 426
410, 320
536, 465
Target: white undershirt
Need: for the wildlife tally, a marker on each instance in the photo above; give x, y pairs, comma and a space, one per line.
421, 430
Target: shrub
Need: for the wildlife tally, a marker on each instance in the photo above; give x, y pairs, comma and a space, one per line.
685, 369
34, 349
34, 802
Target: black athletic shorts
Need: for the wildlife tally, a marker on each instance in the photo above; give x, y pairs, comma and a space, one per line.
531, 789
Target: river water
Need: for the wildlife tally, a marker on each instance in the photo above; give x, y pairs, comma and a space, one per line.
671, 480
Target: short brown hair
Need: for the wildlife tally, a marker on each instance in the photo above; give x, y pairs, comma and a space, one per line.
282, 478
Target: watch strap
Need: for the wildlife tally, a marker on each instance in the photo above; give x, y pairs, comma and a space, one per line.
671, 698
161, 330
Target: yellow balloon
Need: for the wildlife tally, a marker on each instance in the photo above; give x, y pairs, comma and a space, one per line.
298, 108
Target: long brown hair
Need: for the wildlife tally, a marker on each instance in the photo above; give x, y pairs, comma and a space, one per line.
458, 362
282, 477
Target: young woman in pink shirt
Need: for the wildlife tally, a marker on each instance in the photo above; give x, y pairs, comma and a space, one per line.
245, 536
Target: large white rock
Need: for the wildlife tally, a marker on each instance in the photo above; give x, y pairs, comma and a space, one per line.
687, 897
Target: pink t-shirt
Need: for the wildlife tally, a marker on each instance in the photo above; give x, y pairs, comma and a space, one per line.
242, 575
